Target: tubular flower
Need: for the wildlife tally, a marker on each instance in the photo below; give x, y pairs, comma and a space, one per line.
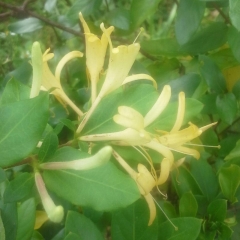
43, 77
54, 213
101, 157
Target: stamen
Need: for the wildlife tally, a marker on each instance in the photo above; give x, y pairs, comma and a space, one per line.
200, 145
141, 30
175, 227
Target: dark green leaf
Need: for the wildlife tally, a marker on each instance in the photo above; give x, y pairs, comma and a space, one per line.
26, 219
14, 91
83, 227
236, 90
73, 236
21, 125
227, 107
229, 179
140, 10
234, 42
119, 18
48, 147
217, 210
27, 25
212, 74
235, 153
18, 188
132, 223
2, 175
189, 16
104, 188
2, 230
207, 39
37, 236
234, 13
188, 229
188, 205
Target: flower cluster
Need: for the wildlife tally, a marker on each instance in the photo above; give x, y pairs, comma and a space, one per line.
135, 133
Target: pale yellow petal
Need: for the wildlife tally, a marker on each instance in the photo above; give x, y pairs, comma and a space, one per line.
187, 151
139, 77
204, 128
165, 169
152, 208
180, 113
84, 24
159, 106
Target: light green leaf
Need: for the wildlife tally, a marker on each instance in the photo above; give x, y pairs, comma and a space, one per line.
2, 230
188, 229
234, 13
140, 10
188, 205
217, 210
104, 188
189, 16
131, 223
234, 42
229, 180
235, 153
21, 125
2, 175
50, 5
83, 227
27, 25
212, 74
18, 188
119, 18
26, 219
227, 107
14, 91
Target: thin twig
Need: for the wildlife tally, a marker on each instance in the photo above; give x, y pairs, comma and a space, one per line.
226, 18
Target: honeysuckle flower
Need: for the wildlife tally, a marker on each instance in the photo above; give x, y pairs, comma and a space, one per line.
54, 213
101, 157
44, 78
95, 53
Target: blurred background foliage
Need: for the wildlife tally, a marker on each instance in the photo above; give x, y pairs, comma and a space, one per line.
193, 45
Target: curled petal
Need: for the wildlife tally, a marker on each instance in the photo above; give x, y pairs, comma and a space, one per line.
204, 128
159, 106
139, 77
165, 169
101, 157
152, 208
187, 151
180, 113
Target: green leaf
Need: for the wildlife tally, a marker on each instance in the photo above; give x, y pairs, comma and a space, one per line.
37, 236
131, 223
234, 13
9, 218
235, 153
162, 47
26, 219
2, 175
234, 42
104, 188
50, 5
14, 92
2, 230
140, 10
205, 177
189, 16
83, 227
229, 180
119, 18
217, 210
183, 182
188, 229
188, 205
21, 125
18, 188
73, 236
227, 107
207, 39
48, 147
212, 74
27, 25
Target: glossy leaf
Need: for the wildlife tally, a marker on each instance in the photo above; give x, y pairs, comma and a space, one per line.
217, 210
21, 125
229, 179
131, 223
212, 75
19, 188
188, 229
234, 12
26, 219
227, 107
189, 16
104, 188
188, 205
83, 227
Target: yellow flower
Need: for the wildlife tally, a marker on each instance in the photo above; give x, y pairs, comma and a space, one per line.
43, 77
